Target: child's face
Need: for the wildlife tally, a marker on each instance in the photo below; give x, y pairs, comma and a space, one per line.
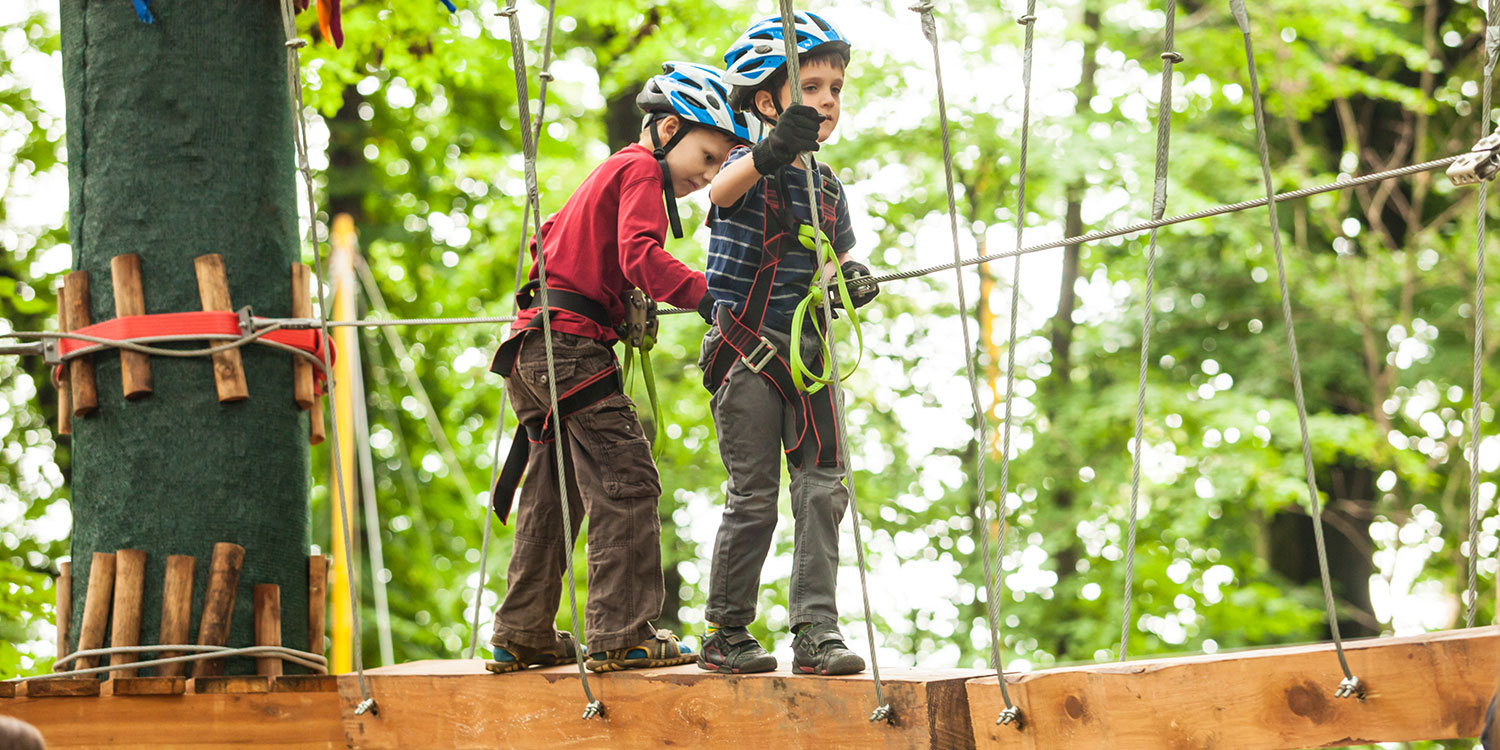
696, 159
822, 89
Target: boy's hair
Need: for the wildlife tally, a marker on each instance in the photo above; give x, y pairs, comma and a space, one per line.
18, 735
742, 98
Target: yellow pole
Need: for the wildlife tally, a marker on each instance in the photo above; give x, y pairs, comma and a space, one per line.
341, 266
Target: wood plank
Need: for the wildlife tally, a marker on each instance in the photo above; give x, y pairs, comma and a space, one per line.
1427, 687
62, 687
266, 598
147, 685
64, 610
305, 683
218, 603
64, 388
302, 370
85, 393
213, 292
456, 704
8, 689
234, 683
96, 604
125, 277
125, 625
176, 610
281, 721
317, 601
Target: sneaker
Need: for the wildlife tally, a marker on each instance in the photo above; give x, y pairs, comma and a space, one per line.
514, 658
820, 649
735, 651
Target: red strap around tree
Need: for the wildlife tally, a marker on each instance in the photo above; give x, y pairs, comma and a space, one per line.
145, 329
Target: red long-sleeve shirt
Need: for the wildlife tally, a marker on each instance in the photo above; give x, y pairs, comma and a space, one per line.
607, 240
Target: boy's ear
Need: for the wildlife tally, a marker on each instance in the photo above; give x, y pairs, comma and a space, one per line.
765, 104
667, 127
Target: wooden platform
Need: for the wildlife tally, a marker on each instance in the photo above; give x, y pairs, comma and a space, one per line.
456, 704
1433, 686
1428, 687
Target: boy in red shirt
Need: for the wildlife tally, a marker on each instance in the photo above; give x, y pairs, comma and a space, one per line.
607, 240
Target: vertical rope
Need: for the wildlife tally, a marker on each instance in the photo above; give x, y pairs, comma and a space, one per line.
299, 140
534, 204
1492, 51
1169, 57
1012, 714
981, 422
882, 710
545, 76
1351, 685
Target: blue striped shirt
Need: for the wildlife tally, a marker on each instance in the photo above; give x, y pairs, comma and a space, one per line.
738, 239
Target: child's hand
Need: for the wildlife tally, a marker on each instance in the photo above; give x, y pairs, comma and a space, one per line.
859, 294
796, 132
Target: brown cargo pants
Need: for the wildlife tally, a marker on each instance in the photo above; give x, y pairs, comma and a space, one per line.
612, 479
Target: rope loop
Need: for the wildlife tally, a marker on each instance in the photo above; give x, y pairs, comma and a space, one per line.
1027, 19
1172, 57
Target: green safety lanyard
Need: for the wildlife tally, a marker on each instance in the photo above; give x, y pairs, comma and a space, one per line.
644, 339
801, 374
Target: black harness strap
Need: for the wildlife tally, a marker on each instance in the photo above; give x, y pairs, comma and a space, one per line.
814, 414
599, 386
596, 388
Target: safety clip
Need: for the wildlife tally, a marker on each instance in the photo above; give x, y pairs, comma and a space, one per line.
1481, 162
247, 321
641, 323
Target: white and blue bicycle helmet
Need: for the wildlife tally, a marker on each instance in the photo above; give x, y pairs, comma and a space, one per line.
697, 95
761, 50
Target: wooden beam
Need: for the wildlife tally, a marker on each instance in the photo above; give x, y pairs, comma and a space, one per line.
125, 277
1427, 687
282, 721
456, 704
125, 624
147, 685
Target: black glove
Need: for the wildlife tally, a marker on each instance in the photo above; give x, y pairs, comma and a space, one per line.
706, 308
859, 295
795, 133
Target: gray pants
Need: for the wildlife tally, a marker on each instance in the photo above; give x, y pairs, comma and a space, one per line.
754, 424
612, 479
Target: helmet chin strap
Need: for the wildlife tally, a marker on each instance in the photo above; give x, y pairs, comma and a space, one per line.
660, 152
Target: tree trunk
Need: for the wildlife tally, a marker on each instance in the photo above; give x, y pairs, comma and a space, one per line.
1062, 320
179, 145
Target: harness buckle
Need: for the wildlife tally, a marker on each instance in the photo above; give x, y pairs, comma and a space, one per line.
760, 356
1481, 162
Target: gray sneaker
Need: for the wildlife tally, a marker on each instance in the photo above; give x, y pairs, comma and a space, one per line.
733, 650
820, 649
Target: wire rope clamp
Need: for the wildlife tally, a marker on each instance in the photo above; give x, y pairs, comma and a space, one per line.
883, 713
760, 356
1350, 687
1481, 162
367, 706
1009, 716
593, 709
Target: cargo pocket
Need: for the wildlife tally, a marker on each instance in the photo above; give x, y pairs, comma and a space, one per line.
627, 468
534, 374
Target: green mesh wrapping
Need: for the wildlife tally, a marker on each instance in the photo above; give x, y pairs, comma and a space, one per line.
180, 144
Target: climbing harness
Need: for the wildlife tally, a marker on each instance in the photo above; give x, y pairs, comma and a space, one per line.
1351, 685
814, 413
